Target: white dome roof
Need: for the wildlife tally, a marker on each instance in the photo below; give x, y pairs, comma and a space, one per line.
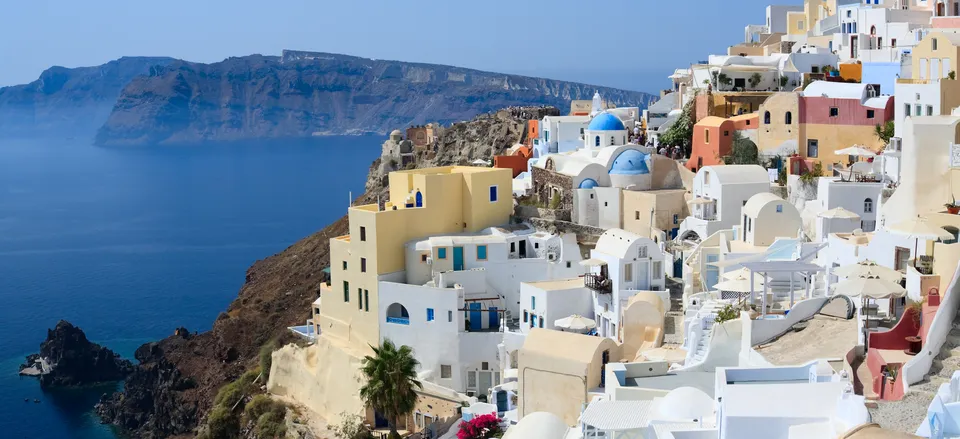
538, 425
686, 404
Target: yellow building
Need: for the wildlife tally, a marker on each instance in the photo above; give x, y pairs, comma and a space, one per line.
424, 202
796, 23
936, 56
779, 129
669, 208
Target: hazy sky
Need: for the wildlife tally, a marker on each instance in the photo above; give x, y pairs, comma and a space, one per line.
623, 43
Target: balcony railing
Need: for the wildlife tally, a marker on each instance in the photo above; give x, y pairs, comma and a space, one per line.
598, 283
399, 320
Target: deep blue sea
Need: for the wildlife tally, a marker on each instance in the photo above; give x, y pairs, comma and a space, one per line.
129, 244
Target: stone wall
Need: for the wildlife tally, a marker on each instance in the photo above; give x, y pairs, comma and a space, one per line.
545, 183
528, 212
587, 236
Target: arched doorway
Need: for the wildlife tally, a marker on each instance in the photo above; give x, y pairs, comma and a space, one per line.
940, 9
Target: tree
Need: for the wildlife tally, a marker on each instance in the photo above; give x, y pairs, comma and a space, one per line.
952, 75
743, 151
391, 382
716, 81
783, 81
723, 79
681, 132
884, 132
755, 80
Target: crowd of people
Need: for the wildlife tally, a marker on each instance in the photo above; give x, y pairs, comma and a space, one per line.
674, 152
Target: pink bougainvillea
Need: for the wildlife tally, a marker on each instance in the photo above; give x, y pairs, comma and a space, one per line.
480, 427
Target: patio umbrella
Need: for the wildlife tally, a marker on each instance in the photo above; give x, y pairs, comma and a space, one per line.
918, 228
700, 200
869, 288
575, 323
731, 275
593, 262
838, 213
867, 269
740, 284
856, 150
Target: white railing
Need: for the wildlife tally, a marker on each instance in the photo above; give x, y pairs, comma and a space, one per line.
919, 366
954, 155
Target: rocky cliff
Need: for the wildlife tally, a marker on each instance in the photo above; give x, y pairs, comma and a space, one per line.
173, 386
303, 93
68, 359
69, 102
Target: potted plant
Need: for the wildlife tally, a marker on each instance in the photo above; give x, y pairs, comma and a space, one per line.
952, 207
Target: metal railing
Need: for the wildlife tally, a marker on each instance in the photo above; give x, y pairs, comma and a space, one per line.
598, 283
399, 320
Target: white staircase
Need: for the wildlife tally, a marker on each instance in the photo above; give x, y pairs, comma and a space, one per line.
699, 322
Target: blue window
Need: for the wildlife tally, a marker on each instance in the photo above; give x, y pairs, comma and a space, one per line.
533, 321
779, 208
419, 199
597, 141
533, 303
481, 252
493, 194
676, 219
442, 253
429, 314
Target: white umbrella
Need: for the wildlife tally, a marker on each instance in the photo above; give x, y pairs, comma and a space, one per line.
868, 268
700, 200
838, 213
856, 150
730, 275
740, 284
575, 323
870, 287
918, 228
593, 262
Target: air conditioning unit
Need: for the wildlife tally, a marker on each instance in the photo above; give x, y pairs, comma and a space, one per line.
551, 256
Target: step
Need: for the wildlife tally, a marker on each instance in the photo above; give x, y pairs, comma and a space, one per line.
866, 379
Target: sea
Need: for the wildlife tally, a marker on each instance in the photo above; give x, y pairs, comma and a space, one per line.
131, 243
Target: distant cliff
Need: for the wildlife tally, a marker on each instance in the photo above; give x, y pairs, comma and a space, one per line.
304, 93
67, 102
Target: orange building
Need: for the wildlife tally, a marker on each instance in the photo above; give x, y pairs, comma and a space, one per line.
745, 122
515, 159
851, 72
712, 139
533, 131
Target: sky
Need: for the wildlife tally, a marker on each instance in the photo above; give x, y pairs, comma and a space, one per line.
632, 44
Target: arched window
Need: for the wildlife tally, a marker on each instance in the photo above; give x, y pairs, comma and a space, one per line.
596, 141
868, 205
396, 313
419, 199
873, 30
766, 118
788, 118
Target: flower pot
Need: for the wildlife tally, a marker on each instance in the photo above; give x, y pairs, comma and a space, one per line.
953, 210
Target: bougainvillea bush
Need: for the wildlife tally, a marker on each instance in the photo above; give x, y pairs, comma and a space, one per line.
480, 427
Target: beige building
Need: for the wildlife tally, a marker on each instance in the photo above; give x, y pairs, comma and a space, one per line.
936, 56
668, 208
774, 135
561, 371
423, 202
642, 323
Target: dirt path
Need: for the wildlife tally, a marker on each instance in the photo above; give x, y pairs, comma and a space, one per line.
820, 337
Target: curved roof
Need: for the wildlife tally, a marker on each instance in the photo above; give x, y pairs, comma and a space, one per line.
630, 162
836, 90
395, 133
686, 404
616, 242
538, 425
758, 201
606, 122
712, 121
568, 346
588, 183
566, 164
736, 174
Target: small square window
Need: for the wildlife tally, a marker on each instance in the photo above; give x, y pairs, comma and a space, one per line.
726, 133
513, 247
591, 196
536, 245
450, 316
605, 204
446, 371
344, 265
929, 110
568, 264
526, 316
834, 112
484, 365
779, 208
870, 114
363, 265
423, 258
493, 194
442, 253
481, 253
637, 215
429, 314
363, 233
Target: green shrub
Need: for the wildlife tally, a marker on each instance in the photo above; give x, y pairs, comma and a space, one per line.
266, 358
222, 424
262, 404
230, 393
555, 201
727, 313
271, 425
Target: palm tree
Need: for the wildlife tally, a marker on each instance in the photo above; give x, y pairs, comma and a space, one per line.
391, 382
884, 132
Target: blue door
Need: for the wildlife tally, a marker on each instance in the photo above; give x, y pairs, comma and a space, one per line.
458, 259
419, 199
494, 317
475, 316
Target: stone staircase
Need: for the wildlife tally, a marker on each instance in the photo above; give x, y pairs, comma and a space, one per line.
700, 323
946, 362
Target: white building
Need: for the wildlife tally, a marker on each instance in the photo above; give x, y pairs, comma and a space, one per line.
861, 198
543, 303
877, 35
622, 265
770, 68
767, 217
560, 134
719, 194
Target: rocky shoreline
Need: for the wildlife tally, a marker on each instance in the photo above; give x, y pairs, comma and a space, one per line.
68, 359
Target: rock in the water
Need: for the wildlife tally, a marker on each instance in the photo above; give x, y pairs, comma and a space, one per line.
68, 359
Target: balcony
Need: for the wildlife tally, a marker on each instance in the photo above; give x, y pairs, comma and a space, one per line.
399, 320
598, 283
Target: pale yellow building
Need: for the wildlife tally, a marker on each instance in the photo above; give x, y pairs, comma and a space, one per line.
668, 208
423, 202
796, 23
561, 371
936, 55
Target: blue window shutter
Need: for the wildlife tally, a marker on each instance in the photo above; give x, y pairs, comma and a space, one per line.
481, 252
533, 303
493, 194
442, 253
429, 314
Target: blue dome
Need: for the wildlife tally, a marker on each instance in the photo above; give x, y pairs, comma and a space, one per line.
630, 162
588, 184
606, 122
